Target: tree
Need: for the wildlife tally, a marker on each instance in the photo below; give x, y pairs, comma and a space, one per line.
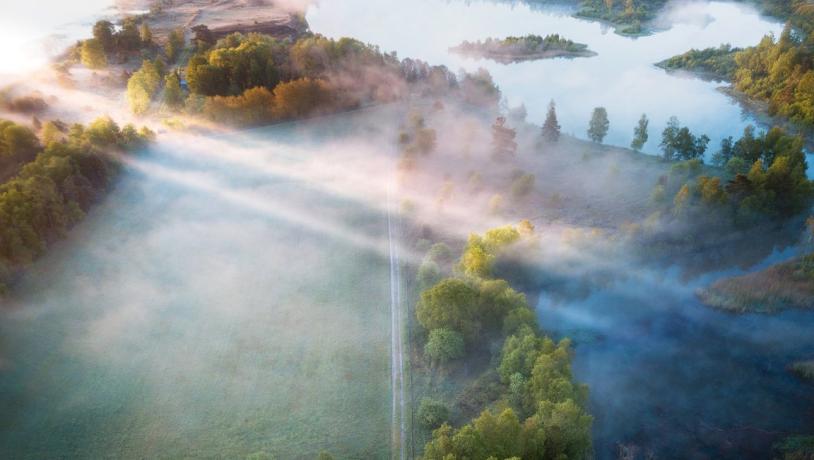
17, 140
301, 98
640, 134
103, 33
679, 143
146, 34
668, 138
551, 127
173, 97
503, 144
93, 54
444, 345
450, 304
142, 86
175, 43
599, 125
129, 38
432, 413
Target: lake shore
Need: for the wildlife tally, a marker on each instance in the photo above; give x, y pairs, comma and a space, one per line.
780, 287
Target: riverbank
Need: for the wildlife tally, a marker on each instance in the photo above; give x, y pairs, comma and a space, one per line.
780, 287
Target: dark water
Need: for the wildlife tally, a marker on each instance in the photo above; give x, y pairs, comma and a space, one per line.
678, 379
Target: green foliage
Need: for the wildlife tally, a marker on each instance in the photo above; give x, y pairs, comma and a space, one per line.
716, 62
174, 45
93, 54
429, 273
529, 46
551, 127
450, 304
16, 140
128, 39
679, 143
522, 185
796, 448
780, 71
640, 134
145, 34
599, 125
444, 345
480, 252
103, 33
173, 96
628, 13
142, 86
52, 192
432, 413
557, 431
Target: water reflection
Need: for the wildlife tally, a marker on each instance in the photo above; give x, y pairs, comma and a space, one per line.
621, 78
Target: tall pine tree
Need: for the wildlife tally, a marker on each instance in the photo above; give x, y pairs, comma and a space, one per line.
551, 127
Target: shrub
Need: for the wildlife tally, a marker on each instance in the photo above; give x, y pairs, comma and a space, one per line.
432, 413
444, 345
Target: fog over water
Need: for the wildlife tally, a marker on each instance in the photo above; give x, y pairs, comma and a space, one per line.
622, 77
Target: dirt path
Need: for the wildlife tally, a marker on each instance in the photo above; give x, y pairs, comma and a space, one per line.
399, 429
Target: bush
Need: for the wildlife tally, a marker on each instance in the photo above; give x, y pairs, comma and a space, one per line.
523, 185
444, 345
432, 413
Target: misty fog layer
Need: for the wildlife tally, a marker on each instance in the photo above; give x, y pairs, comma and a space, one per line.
679, 379
622, 77
230, 296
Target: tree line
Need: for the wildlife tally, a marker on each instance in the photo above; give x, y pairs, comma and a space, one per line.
541, 410
71, 170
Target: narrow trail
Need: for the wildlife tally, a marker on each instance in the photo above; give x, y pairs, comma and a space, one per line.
399, 429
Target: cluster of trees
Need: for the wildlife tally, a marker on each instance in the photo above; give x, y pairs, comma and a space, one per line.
765, 178
271, 79
109, 41
543, 411
52, 192
781, 70
678, 143
718, 63
416, 139
529, 46
628, 13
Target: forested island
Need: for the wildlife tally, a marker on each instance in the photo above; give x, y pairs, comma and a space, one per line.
711, 63
527, 48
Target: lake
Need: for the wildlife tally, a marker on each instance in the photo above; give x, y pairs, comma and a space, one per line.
621, 78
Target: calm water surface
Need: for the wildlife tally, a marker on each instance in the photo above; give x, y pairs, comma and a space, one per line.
621, 78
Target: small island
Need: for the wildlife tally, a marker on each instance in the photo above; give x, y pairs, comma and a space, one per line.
803, 370
716, 64
528, 48
779, 287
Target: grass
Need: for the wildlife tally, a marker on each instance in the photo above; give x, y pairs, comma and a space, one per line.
780, 287
804, 370
176, 325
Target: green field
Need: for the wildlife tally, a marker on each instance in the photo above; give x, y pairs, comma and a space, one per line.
206, 309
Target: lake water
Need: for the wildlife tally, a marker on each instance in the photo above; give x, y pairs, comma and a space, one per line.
34, 31
622, 77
